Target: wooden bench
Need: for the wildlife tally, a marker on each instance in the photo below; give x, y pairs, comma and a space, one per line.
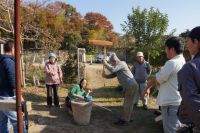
10, 105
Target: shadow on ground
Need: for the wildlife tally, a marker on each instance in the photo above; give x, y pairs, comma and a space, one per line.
34, 97
101, 122
107, 92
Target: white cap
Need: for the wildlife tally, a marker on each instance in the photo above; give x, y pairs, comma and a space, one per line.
140, 54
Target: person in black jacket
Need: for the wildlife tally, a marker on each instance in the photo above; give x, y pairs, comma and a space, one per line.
189, 83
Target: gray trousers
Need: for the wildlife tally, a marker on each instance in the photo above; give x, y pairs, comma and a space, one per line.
170, 119
128, 103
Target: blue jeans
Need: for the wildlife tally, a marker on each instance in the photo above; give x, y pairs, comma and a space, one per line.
138, 93
170, 119
8, 115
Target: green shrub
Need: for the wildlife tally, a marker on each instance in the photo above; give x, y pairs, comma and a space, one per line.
34, 71
69, 69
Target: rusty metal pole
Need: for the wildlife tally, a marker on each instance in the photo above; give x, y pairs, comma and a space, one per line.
18, 65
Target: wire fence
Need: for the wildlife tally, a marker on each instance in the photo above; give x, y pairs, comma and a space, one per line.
34, 62
72, 63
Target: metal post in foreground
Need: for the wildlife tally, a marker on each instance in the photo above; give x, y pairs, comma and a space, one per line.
17, 65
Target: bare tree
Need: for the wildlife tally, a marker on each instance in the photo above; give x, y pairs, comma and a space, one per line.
7, 24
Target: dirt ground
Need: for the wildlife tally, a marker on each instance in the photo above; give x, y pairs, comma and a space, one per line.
57, 120
94, 77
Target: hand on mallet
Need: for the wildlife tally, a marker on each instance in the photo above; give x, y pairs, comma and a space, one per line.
104, 61
103, 73
145, 93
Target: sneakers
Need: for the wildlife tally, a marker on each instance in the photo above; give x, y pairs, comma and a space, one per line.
70, 112
135, 105
121, 123
58, 106
49, 106
131, 121
145, 107
157, 112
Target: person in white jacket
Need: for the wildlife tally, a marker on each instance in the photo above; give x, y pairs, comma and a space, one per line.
168, 95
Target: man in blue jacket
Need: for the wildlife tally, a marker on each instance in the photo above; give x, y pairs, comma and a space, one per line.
7, 86
189, 83
141, 70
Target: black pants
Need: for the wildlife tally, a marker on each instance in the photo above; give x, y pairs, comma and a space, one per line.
55, 94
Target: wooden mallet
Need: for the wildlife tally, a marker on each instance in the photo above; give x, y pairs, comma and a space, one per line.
101, 43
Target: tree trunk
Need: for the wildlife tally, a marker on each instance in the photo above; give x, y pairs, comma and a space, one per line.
148, 57
23, 66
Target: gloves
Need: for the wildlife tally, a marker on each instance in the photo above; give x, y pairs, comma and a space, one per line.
88, 98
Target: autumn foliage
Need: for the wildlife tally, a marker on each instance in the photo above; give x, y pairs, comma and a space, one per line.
55, 25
